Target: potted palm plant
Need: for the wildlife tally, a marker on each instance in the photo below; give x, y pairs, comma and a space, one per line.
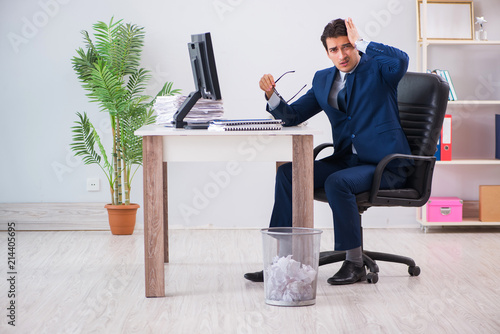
109, 70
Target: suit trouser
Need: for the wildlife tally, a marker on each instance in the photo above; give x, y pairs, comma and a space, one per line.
342, 180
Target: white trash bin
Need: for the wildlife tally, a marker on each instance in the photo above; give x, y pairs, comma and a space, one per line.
291, 258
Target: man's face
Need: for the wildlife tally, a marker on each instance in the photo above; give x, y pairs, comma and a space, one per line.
344, 56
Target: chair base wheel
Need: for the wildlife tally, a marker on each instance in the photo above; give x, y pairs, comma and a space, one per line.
414, 270
372, 278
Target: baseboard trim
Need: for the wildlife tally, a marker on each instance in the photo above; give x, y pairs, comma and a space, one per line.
54, 216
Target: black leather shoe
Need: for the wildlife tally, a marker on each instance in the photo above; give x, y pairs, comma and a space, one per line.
255, 277
349, 273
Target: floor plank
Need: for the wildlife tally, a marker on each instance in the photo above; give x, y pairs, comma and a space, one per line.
93, 282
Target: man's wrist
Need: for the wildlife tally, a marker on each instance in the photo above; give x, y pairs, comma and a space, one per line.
361, 45
273, 101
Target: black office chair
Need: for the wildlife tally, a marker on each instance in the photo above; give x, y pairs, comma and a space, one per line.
422, 101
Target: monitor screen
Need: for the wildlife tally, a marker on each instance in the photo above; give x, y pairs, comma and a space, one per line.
203, 65
205, 77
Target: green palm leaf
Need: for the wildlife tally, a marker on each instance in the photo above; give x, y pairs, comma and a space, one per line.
106, 36
84, 63
106, 89
137, 83
167, 90
135, 117
127, 55
84, 140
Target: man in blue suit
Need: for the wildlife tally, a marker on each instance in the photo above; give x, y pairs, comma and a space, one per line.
359, 96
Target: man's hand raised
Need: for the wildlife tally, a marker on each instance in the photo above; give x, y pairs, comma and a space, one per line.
352, 32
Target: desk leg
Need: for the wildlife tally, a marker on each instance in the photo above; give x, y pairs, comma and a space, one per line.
302, 184
165, 213
153, 215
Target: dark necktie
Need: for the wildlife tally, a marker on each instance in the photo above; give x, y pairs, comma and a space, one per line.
341, 99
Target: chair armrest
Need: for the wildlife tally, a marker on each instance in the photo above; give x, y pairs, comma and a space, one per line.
320, 148
377, 176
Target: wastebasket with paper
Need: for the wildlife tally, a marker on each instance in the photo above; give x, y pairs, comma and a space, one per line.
291, 258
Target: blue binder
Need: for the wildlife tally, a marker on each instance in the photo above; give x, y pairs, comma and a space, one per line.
438, 150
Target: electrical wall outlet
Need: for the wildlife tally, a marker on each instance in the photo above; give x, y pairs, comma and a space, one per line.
92, 184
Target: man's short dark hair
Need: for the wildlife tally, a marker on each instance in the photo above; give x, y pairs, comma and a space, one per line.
334, 29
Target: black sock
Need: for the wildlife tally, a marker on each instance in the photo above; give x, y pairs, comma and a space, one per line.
355, 256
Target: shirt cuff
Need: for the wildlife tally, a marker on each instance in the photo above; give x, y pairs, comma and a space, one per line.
273, 102
361, 45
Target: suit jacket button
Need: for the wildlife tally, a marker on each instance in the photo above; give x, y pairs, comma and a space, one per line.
353, 135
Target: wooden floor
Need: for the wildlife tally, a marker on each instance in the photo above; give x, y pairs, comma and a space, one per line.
93, 282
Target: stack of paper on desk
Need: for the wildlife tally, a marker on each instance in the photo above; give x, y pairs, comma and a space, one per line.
204, 110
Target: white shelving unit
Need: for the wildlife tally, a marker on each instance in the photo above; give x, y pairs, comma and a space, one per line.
470, 218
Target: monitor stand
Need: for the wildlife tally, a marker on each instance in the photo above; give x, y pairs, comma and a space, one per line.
185, 108
197, 125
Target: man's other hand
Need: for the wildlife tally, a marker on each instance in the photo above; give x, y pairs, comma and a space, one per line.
267, 84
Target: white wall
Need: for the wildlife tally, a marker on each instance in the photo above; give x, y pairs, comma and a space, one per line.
40, 92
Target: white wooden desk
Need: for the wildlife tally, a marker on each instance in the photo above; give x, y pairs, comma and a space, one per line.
163, 144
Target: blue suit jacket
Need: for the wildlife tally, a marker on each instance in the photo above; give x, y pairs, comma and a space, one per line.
371, 122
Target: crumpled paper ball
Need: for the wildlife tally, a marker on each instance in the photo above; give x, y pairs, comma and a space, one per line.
289, 281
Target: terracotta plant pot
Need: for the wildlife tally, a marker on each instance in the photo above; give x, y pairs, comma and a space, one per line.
122, 218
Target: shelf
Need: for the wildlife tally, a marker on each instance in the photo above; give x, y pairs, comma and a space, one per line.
474, 102
458, 42
470, 217
464, 222
467, 222
469, 162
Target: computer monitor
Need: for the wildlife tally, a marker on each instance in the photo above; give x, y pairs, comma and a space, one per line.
206, 82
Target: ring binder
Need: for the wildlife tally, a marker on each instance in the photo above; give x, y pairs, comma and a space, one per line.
245, 125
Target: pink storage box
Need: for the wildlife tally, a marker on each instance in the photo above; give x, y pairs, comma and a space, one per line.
444, 209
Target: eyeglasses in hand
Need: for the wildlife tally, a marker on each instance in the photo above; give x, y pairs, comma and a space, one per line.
278, 94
